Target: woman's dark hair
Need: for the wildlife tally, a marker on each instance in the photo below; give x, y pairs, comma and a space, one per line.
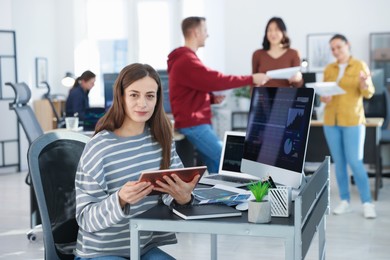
282, 27
160, 125
87, 75
340, 37
190, 23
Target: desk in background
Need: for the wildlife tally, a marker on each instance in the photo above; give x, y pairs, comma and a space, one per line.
317, 147
45, 114
298, 230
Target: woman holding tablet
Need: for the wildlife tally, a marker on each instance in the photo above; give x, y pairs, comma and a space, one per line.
277, 54
135, 135
344, 120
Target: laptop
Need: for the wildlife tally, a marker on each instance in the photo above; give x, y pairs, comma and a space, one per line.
229, 172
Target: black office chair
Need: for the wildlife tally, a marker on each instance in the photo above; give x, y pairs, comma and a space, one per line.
25, 114
52, 160
33, 130
59, 118
379, 106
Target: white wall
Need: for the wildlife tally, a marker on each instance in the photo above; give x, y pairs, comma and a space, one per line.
245, 23
5, 17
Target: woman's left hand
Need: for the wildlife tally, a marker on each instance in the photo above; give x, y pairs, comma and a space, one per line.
178, 189
296, 78
363, 79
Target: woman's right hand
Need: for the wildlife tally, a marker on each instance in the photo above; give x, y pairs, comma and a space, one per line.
260, 79
326, 99
134, 191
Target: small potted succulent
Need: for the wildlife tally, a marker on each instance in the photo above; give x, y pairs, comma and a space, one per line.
259, 210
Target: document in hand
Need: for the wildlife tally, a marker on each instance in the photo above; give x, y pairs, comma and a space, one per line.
326, 88
205, 211
283, 73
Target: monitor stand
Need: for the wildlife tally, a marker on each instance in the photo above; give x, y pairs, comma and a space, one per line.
295, 192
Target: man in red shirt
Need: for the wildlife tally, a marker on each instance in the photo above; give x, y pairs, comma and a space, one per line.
190, 87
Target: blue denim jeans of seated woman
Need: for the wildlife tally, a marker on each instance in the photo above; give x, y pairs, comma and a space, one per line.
153, 254
207, 143
346, 145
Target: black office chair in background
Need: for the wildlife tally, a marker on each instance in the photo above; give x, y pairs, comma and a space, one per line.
52, 160
60, 119
379, 106
32, 129
25, 114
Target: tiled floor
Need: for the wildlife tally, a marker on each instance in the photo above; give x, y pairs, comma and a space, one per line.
348, 237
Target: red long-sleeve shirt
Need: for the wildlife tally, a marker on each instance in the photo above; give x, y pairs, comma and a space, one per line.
190, 84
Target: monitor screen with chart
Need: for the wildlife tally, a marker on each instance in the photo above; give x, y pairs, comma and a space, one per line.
277, 133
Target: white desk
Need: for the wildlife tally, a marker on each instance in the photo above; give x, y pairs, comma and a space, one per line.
298, 230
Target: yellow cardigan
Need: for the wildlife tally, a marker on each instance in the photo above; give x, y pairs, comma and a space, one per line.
347, 109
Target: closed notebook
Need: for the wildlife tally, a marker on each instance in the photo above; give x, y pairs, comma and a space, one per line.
205, 211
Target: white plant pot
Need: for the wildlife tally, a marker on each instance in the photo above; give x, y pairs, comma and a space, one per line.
243, 104
259, 212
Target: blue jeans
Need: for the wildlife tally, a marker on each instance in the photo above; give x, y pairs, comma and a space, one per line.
153, 254
206, 142
346, 145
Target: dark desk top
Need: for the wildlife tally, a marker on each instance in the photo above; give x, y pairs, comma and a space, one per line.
163, 213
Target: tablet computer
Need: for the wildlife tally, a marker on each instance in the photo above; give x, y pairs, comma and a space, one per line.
185, 174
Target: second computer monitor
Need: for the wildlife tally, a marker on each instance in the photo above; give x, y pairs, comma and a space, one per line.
277, 133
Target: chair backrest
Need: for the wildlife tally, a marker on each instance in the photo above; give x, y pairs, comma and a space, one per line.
52, 160
379, 106
378, 79
25, 114
47, 96
59, 118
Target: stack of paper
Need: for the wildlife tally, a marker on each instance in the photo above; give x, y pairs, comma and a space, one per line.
283, 73
222, 194
326, 88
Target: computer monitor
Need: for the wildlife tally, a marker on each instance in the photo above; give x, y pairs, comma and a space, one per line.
277, 134
309, 77
109, 80
165, 87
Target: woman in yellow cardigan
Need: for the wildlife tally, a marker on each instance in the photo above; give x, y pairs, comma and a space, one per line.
344, 123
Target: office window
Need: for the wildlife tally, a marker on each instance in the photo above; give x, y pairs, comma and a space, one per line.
154, 32
105, 48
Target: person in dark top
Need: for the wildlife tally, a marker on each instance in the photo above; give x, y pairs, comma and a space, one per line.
78, 101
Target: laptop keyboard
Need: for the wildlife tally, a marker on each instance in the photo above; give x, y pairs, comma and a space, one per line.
230, 178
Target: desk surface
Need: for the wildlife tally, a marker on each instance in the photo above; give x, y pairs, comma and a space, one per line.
370, 122
163, 213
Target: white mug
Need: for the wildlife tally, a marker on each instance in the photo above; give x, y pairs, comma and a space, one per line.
72, 123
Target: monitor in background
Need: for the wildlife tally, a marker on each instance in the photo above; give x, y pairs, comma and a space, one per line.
92, 116
165, 87
109, 80
277, 133
309, 77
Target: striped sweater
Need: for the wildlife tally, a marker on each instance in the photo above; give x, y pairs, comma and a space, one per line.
107, 163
